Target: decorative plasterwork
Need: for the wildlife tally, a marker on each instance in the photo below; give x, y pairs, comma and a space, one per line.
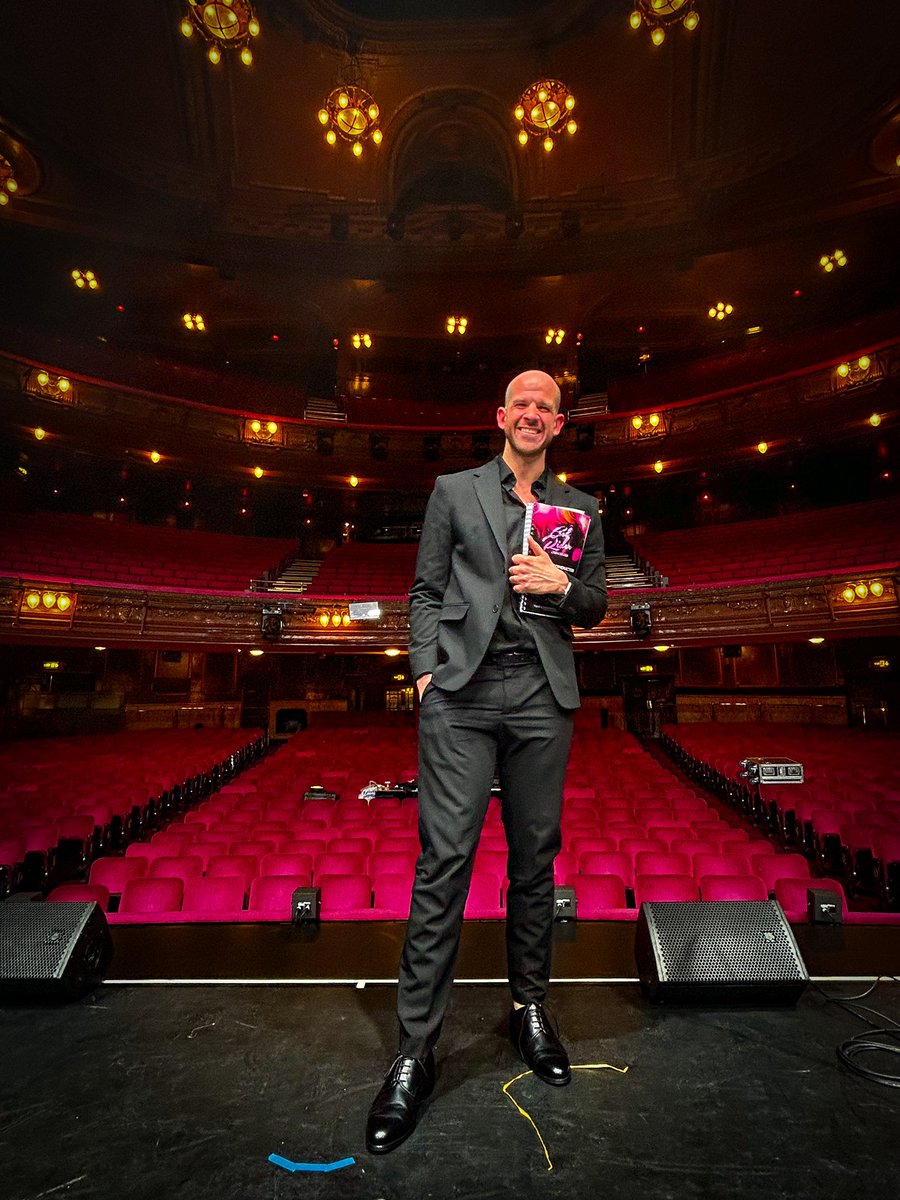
759, 612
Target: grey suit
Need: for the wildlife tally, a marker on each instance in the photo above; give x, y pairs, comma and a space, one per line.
460, 578
478, 719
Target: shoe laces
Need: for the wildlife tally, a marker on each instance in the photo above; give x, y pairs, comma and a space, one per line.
401, 1073
537, 1019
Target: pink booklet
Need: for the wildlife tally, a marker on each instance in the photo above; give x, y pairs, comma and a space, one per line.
562, 533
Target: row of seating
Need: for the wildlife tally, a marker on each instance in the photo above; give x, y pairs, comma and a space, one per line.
228, 897
841, 539
66, 546
65, 800
845, 815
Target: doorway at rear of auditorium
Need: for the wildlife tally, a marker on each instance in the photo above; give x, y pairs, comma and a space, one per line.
649, 703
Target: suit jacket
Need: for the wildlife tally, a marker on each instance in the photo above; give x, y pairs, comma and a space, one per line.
462, 570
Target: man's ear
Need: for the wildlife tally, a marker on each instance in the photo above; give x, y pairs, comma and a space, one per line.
501, 417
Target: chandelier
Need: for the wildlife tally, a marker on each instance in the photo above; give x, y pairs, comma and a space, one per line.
351, 114
223, 24
8, 183
660, 15
544, 111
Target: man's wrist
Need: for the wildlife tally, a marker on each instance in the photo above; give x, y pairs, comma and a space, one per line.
566, 589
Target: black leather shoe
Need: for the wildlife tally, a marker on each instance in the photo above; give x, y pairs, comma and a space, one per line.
395, 1109
537, 1043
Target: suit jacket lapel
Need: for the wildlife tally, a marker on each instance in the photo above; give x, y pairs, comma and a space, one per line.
487, 489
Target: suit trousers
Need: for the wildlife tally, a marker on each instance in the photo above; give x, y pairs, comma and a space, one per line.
504, 721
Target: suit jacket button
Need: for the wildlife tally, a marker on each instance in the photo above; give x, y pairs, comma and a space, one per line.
495, 608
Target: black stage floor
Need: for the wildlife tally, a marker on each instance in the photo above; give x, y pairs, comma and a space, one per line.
184, 1091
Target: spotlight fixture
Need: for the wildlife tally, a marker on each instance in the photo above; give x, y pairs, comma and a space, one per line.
396, 227
662, 15
641, 619
224, 25
39, 434
762, 447
85, 280
155, 456
361, 341
258, 472
719, 311
544, 111
350, 114
658, 466
456, 324
515, 225
875, 420
194, 322
554, 335
8, 184
828, 262
353, 480
271, 623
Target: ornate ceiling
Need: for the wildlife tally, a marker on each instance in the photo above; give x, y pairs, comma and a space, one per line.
718, 167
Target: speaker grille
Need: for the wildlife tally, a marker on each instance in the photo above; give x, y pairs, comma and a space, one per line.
718, 952
37, 944
52, 949
725, 941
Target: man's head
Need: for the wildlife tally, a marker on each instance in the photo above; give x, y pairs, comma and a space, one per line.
530, 417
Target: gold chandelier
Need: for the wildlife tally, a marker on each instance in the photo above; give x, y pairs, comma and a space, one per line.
661, 15
544, 111
223, 25
351, 114
8, 183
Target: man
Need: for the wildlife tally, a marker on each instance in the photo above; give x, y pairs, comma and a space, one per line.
497, 694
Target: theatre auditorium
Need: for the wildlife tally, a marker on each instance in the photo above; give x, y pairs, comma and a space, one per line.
267, 268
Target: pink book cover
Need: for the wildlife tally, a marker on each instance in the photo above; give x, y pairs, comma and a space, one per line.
562, 533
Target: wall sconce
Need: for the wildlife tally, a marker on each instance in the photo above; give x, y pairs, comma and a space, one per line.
57, 388
259, 431
333, 617
47, 604
653, 425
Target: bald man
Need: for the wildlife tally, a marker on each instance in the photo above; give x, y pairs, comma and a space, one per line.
497, 693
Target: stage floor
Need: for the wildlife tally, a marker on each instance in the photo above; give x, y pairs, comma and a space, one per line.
184, 1091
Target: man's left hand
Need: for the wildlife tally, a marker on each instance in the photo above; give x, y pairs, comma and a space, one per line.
536, 572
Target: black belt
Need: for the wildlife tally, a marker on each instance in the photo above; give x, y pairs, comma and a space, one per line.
511, 658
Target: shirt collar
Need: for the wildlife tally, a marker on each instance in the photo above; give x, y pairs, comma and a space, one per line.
508, 477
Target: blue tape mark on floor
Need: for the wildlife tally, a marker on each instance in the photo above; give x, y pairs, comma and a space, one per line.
295, 1166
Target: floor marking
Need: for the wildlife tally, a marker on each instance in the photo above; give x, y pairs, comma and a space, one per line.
298, 1166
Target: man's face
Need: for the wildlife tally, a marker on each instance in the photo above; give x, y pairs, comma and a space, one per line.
530, 420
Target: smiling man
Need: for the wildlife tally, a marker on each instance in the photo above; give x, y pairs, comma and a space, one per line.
497, 693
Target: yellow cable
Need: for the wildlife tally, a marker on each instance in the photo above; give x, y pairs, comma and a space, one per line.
522, 1112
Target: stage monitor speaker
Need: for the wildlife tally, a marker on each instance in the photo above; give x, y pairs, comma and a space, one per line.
52, 951
718, 952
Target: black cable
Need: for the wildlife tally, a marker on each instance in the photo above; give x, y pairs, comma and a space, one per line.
866, 1043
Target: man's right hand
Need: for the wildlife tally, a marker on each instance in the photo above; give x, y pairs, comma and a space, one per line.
422, 683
